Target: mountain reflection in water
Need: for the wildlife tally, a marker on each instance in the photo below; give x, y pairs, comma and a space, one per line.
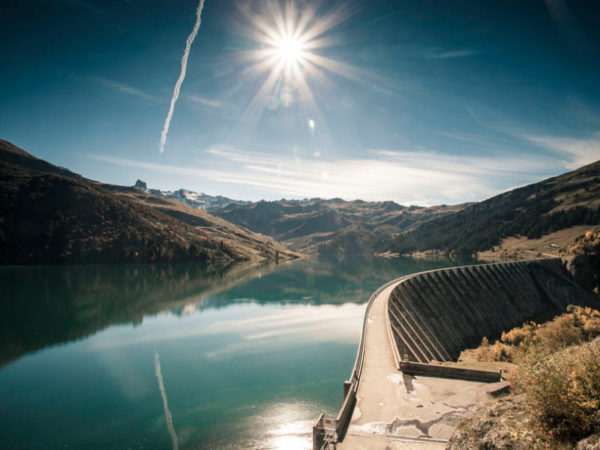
187, 356
46, 305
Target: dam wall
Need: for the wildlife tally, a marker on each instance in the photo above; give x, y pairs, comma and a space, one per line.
435, 315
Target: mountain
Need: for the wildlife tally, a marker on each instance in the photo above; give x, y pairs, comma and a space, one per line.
198, 200
331, 226
49, 215
565, 202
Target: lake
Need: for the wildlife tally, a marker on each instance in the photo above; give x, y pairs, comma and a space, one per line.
182, 355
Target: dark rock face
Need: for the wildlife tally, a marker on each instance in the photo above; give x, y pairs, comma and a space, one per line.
586, 270
436, 315
583, 261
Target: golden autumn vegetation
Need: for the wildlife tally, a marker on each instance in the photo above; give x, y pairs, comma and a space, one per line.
558, 371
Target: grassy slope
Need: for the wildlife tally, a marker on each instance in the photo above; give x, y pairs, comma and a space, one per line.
51, 215
533, 211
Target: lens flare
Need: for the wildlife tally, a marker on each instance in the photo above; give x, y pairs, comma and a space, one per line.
288, 59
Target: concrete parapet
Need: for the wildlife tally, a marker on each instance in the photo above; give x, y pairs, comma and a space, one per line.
435, 370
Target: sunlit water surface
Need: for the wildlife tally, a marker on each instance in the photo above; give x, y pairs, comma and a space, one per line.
180, 356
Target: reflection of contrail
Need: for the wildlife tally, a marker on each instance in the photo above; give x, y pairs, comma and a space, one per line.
163, 393
184, 59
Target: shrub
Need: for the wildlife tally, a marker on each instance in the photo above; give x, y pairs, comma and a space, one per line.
563, 390
483, 352
577, 325
520, 335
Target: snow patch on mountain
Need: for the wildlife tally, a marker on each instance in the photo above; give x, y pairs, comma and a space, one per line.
198, 200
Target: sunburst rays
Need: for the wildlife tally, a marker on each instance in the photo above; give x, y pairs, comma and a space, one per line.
290, 38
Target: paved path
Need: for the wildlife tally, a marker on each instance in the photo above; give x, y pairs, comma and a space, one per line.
396, 411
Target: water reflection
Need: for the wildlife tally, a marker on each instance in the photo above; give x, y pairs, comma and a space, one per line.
247, 356
46, 305
43, 306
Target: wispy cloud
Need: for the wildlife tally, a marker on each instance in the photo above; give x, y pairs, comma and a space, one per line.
408, 177
568, 151
258, 323
575, 152
204, 101
184, 59
124, 88
447, 54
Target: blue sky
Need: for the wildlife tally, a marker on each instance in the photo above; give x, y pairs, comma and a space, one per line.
421, 102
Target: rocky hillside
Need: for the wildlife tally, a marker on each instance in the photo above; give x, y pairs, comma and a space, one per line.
49, 215
331, 226
553, 400
532, 211
583, 260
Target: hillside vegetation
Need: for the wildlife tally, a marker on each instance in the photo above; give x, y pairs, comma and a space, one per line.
532, 211
51, 215
555, 401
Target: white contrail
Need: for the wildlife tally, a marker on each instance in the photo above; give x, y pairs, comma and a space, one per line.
184, 59
163, 393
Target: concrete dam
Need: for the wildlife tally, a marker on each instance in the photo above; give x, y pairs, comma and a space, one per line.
433, 316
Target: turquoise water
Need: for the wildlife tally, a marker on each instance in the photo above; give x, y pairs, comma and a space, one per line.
179, 356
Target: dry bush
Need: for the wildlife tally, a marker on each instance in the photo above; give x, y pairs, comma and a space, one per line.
561, 332
592, 326
501, 352
577, 325
563, 390
519, 335
484, 351
558, 371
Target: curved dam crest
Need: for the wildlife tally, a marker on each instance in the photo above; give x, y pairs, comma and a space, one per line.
435, 315
428, 316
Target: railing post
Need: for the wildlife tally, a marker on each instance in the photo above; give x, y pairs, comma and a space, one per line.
318, 433
347, 385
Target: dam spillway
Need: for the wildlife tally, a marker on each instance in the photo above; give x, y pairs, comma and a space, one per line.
429, 316
435, 315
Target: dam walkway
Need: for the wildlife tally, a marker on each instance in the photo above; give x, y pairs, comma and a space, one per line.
433, 316
398, 411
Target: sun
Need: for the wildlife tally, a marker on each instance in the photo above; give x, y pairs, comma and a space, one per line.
289, 49
286, 64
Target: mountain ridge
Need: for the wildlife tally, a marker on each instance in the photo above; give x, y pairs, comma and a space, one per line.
50, 215
532, 211
334, 226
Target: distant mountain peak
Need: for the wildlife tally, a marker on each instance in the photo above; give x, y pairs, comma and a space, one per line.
198, 200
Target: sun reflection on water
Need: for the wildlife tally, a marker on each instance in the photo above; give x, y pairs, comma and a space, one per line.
289, 426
